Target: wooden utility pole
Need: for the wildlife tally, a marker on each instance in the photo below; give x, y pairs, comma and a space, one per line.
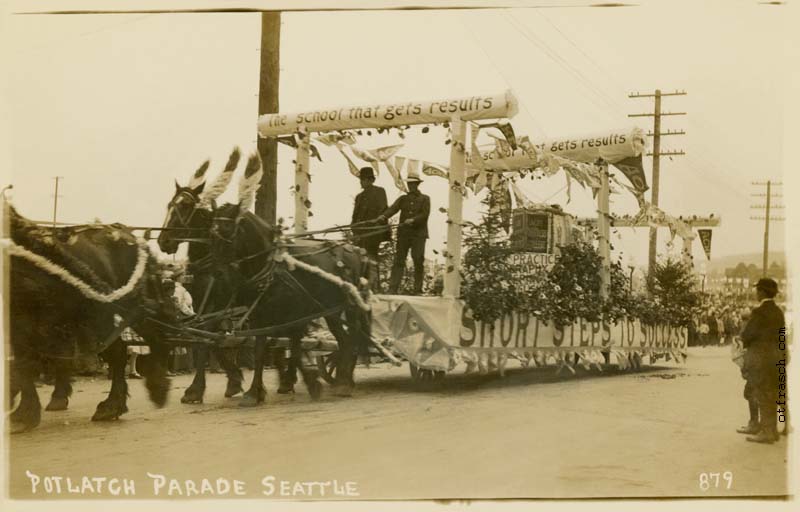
55, 200
768, 206
656, 154
268, 85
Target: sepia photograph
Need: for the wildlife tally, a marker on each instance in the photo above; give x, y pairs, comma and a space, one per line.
430, 254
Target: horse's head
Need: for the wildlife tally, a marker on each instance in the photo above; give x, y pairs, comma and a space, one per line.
225, 223
184, 215
189, 211
240, 237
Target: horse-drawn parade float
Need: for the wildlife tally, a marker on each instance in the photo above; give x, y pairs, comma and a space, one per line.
529, 282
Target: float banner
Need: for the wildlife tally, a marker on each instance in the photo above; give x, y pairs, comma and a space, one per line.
623, 147
391, 114
705, 239
436, 333
612, 146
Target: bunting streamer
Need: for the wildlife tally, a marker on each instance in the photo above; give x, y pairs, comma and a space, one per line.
385, 153
523, 200
431, 169
363, 155
288, 140
395, 170
351, 166
705, 239
655, 217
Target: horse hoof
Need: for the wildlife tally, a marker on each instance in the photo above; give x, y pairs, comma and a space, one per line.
57, 404
344, 391
190, 396
105, 416
18, 428
285, 390
106, 412
250, 401
231, 392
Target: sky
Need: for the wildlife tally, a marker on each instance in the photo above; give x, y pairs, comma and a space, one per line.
121, 106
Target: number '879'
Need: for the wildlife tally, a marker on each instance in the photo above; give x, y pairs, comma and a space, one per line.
709, 480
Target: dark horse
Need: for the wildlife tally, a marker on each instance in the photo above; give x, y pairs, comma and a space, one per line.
286, 285
187, 221
50, 317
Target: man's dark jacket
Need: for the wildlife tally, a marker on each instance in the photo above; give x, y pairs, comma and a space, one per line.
760, 338
370, 203
415, 206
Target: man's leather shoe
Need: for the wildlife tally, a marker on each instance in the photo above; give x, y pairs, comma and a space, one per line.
749, 429
763, 438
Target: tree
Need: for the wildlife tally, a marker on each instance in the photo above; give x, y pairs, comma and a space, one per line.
673, 289
489, 286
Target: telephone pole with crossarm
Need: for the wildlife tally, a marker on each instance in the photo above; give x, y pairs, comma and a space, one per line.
657, 114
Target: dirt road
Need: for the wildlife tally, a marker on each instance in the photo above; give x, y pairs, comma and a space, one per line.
649, 433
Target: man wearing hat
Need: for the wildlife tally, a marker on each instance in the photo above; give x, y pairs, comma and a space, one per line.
370, 202
760, 340
414, 208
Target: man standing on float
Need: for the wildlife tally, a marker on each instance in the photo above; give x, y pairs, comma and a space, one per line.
414, 208
371, 201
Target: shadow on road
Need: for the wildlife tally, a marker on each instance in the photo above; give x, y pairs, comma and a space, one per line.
454, 383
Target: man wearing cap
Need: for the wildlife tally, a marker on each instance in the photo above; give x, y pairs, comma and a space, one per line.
414, 208
370, 203
760, 340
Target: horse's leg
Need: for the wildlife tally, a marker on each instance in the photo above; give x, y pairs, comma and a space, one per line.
59, 400
29, 413
227, 360
287, 370
116, 404
194, 393
257, 392
310, 373
345, 362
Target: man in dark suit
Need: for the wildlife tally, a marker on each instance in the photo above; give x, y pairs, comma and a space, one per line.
760, 339
414, 208
370, 203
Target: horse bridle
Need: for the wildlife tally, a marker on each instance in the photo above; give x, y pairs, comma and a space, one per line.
214, 232
185, 223
172, 207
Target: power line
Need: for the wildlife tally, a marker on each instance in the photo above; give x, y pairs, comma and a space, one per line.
503, 75
556, 58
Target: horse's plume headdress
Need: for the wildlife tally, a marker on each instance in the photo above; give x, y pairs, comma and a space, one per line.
199, 176
249, 183
221, 182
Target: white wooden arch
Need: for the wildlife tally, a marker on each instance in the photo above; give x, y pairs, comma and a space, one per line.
456, 111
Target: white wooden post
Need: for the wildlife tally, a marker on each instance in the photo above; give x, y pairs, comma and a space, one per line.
604, 228
301, 183
452, 276
687, 250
